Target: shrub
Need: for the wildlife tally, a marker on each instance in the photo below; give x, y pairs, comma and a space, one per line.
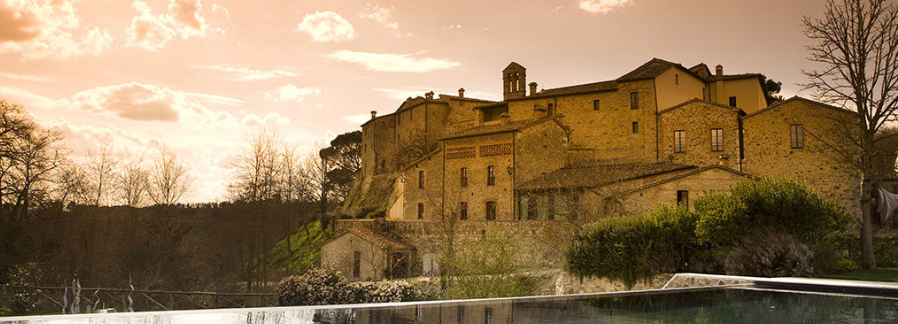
634, 248
782, 204
485, 268
770, 254
326, 286
23, 301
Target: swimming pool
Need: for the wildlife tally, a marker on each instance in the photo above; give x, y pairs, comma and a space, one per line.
794, 301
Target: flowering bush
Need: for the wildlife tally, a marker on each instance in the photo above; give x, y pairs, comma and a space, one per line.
326, 286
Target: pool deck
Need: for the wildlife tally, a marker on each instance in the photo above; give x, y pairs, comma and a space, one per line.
681, 280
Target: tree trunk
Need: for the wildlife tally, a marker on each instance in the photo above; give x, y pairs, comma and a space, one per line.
868, 259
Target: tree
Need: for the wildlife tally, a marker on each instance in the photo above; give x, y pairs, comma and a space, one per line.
101, 170
169, 180
772, 89
132, 182
855, 44
258, 167
344, 155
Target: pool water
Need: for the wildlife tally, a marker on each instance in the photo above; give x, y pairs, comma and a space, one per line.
715, 305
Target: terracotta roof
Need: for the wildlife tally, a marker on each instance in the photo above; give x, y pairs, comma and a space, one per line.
577, 89
598, 175
797, 98
730, 77
685, 175
417, 101
380, 240
441, 96
696, 100
648, 70
499, 127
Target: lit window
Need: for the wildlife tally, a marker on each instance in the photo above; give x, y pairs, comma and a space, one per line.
490, 210
491, 176
420, 210
635, 127
680, 141
717, 140
797, 135
732, 101
595, 104
634, 100
464, 177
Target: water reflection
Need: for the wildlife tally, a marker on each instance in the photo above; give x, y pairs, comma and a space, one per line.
706, 306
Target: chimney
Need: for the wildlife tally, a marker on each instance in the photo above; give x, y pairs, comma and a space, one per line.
373, 114
505, 117
719, 85
724, 161
539, 112
719, 71
461, 92
429, 95
532, 88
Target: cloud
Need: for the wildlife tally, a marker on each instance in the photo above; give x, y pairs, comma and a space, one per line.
603, 7
386, 62
48, 29
290, 92
326, 27
242, 73
150, 103
152, 32
22, 77
382, 15
217, 8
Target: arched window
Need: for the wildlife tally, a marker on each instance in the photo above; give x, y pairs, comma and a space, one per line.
356, 264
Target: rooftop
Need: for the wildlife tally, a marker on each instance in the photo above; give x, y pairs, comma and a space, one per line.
597, 175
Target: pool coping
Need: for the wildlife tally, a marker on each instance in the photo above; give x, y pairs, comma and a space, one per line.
812, 284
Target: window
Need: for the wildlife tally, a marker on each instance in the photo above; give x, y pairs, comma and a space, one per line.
356, 264
464, 177
420, 210
634, 100
463, 210
717, 140
595, 104
680, 141
677, 79
551, 110
490, 210
488, 315
683, 198
797, 134
461, 314
732, 101
635, 127
421, 179
491, 176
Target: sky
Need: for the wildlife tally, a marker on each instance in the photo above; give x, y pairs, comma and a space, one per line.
199, 76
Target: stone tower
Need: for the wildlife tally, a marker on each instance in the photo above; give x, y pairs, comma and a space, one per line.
514, 81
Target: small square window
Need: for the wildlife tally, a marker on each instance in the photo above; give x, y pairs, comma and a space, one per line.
595, 105
635, 127
732, 101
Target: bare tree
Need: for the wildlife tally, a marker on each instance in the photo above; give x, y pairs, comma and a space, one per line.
72, 185
169, 180
259, 167
132, 182
38, 157
856, 46
101, 169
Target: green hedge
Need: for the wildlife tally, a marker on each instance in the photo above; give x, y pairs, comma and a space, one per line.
672, 239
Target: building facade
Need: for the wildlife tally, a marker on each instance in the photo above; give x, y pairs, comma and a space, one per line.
660, 134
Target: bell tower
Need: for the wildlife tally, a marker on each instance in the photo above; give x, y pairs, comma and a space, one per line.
514, 81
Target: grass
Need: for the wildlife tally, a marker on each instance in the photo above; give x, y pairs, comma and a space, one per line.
305, 247
881, 274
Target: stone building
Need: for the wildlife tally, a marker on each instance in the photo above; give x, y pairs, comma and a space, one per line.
660, 134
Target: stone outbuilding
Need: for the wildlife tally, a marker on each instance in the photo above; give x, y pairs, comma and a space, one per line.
363, 254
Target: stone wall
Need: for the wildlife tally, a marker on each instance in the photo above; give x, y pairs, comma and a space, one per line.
430, 195
696, 119
697, 183
477, 154
768, 151
339, 253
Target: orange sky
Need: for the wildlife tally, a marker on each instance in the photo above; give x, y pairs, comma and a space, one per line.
197, 76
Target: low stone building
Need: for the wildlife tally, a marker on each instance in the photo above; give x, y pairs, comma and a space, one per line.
363, 254
659, 134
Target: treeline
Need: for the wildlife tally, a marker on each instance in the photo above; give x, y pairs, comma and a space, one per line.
113, 217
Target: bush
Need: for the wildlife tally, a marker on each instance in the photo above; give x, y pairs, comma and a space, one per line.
770, 254
485, 268
634, 248
783, 204
23, 301
326, 286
